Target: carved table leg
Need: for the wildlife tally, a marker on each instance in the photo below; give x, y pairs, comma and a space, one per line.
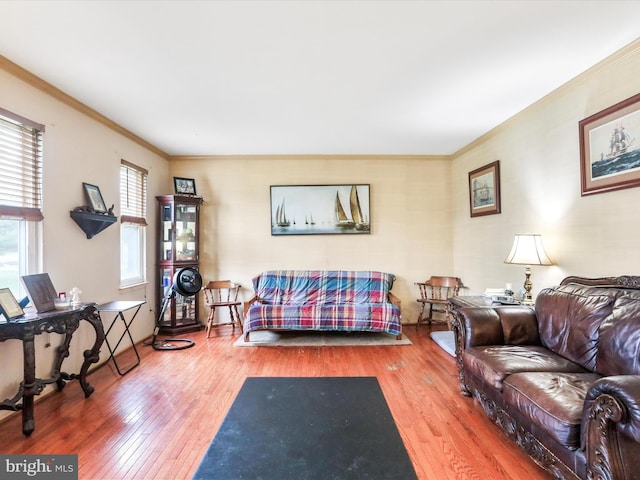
62, 352
92, 355
30, 386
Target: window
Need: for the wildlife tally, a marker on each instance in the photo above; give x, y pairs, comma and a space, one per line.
133, 211
20, 199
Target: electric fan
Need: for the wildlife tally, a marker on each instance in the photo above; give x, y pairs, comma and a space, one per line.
187, 282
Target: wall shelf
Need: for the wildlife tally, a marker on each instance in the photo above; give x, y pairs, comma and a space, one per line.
92, 223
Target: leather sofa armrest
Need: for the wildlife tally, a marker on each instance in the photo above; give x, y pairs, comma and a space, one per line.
624, 390
611, 408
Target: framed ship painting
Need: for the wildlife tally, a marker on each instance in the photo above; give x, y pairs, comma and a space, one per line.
484, 190
320, 209
610, 148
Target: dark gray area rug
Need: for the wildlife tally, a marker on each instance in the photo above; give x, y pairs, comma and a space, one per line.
293, 428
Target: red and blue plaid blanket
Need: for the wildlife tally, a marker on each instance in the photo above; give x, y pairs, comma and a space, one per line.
323, 300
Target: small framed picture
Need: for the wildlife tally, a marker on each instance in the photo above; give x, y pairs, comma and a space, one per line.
484, 190
184, 186
9, 307
41, 291
94, 198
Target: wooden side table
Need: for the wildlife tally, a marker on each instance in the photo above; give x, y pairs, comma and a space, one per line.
64, 322
470, 301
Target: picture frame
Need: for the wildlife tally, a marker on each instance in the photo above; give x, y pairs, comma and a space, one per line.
9, 306
184, 186
41, 291
484, 190
320, 209
610, 148
94, 198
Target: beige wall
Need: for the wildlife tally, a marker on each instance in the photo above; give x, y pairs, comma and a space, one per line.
410, 215
539, 157
78, 149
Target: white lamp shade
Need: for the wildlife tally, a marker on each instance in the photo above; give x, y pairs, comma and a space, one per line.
528, 250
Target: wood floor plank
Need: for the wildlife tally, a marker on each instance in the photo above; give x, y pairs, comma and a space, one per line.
157, 421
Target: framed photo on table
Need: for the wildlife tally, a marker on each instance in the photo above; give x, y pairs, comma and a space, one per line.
9, 306
41, 291
184, 186
610, 148
484, 190
94, 198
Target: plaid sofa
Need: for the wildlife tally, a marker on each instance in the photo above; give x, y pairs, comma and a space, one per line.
334, 300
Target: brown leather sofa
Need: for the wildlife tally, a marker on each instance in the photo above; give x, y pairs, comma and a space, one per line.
563, 378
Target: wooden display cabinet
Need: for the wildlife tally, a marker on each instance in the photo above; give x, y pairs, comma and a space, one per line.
178, 235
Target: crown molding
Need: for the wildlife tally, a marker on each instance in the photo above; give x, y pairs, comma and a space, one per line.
37, 82
303, 157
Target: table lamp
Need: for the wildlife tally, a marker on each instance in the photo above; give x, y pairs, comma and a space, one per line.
527, 250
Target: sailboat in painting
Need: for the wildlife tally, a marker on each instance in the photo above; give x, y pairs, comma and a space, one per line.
342, 221
357, 220
360, 221
281, 216
309, 220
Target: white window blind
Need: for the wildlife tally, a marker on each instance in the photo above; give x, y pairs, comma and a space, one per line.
20, 167
133, 194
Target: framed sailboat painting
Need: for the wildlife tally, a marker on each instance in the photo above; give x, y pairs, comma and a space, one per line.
320, 209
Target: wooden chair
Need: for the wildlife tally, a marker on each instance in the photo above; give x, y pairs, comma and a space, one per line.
222, 293
435, 293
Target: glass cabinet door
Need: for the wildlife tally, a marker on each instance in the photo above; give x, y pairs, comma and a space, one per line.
166, 232
186, 218
166, 279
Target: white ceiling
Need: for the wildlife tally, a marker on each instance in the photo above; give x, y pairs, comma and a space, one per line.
311, 77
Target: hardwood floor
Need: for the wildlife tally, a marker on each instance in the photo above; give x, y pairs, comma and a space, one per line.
157, 421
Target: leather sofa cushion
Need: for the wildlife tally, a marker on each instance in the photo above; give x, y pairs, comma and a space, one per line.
519, 326
495, 362
499, 326
619, 341
553, 401
569, 317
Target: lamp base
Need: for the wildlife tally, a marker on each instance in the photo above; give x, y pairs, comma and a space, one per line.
527, 299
